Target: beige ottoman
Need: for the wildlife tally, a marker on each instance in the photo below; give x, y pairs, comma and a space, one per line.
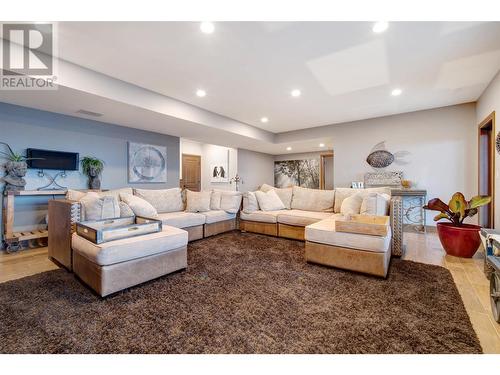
355, 252
113, 266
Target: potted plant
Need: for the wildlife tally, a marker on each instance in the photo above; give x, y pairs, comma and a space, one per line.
93, 168
16, 168
457, 238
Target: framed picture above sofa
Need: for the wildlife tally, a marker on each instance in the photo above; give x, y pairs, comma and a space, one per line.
303, 173
147, 163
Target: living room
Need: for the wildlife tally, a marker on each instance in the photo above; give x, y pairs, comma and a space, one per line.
250, 186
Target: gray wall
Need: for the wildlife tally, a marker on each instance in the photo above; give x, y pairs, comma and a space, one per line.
255, 169
23, 128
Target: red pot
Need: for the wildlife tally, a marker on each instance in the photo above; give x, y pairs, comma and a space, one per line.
462, 241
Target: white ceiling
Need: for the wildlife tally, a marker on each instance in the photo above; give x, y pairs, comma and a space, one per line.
344, 70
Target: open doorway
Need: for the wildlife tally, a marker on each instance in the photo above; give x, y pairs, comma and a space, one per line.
486, 170
326, 171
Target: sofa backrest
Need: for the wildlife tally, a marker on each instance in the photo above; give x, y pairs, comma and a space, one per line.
312, 199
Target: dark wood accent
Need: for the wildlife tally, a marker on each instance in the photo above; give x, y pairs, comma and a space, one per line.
220, 227
191, 172
270, 229
322, 158
60, 231
291, 231
486, 169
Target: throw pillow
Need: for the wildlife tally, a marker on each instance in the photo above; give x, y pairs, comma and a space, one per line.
375, 204
125, 210
312, 199
197, 201
269, 201
352, 204
230, 201
96, 208
215, 199
75, 195
139, 206
250, 203
342, 193
116, 192
164, 200
285, 194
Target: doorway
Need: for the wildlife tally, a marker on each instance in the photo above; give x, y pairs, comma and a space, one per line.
486, 170
326, 171
191, 172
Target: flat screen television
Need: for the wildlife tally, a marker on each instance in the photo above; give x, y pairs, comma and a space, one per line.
47, 159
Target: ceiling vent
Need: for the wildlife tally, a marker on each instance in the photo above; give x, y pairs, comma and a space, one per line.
88, 113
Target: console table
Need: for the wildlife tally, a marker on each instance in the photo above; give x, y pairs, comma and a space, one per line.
13, 239
413, 202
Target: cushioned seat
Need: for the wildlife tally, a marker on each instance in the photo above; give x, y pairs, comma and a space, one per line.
262, 216
323, 232
215, 216
182, 219
131, 248
302, 218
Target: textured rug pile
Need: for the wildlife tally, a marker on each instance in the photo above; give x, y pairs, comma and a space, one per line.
242, 293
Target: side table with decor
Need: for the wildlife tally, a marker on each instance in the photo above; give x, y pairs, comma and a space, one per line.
494, 261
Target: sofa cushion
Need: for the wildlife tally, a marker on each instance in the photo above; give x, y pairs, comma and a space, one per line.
163, 200
302, 218
375, 204
250, 203
215, 198
197, 201
269, 201
343, 193
324, 232
112, 252
139, 206
217, 215
285, 194
182, 219
352, 205
312, 199
116, 192
230, 201
95, 207
75, 195
262, 216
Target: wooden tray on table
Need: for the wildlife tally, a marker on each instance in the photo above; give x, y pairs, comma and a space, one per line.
364, 224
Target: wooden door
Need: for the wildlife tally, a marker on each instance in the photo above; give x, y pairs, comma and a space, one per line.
191, 172
486, 182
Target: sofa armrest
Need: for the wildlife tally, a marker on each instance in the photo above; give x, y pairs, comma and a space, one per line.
63, 216
396, 213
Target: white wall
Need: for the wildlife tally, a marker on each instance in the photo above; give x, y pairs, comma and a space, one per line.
487, 103
208, 154
255, 169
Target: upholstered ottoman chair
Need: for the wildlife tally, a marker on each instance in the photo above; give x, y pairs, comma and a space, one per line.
116, 265
356, 252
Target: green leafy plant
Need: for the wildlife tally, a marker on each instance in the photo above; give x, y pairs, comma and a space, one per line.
13, 156
91, 165
458, 208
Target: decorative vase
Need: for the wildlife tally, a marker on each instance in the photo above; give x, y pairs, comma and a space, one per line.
460, 241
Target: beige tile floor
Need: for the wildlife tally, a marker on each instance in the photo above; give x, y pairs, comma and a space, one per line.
425, 248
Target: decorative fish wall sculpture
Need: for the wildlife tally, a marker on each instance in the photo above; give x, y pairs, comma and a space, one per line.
380, 157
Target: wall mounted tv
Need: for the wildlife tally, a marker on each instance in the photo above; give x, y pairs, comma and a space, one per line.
47, 159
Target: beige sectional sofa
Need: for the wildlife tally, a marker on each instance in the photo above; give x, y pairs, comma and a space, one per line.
167, 205
309, 206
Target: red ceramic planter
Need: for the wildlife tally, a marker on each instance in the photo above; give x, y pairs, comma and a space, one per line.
460, 241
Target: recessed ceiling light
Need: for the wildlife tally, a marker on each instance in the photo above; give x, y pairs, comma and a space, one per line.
289, 148
207, 27
264, 120
295, 93
396, 92
321, 145
380, 27
201, 93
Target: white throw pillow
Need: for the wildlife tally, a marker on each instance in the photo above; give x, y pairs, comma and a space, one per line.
230, 201
342, 193
215, 199
95, 207
375, 204
312, 199
250, 203
125, 210
197, 201
352, 205
164, 200
139, 206
116, 192
75, 195
269, 201
285, 194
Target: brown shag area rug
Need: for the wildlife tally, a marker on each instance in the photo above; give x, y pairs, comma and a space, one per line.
242, 293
